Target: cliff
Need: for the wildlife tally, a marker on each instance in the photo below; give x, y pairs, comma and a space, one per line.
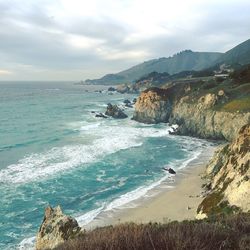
200, 119
228, 173
206, 109
152, 106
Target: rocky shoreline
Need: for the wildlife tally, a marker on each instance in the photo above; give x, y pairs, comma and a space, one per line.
198, 113
194, 117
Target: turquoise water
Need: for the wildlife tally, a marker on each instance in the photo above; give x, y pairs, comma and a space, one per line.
54, 151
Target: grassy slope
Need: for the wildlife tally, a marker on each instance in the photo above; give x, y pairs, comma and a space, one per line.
230, 233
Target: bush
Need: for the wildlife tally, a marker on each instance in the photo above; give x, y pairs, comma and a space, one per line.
229, 233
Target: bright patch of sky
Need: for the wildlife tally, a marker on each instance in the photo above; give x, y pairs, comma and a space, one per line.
79, 39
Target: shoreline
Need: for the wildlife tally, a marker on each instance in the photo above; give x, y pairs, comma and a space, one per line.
171, 200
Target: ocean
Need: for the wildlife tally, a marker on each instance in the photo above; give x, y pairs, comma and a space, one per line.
53, 150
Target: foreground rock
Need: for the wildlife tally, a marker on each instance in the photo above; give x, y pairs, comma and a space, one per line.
229, 178
152, 106
115, 112
56, 228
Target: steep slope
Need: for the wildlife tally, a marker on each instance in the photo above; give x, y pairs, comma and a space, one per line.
229, 173
207, 109
183, 61
237, 55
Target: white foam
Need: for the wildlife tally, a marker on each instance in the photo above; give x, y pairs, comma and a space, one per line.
133, 195
27, 244
121, 202
88, 217
37, 166
110, 139
193, 157
128, 198
90, 126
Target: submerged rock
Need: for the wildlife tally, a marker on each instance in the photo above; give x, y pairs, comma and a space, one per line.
56, 228
115, 112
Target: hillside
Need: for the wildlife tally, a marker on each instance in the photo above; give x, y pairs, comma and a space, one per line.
237, 55
219, 232
184, 61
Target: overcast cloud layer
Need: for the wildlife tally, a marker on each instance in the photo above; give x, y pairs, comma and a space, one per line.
74, 40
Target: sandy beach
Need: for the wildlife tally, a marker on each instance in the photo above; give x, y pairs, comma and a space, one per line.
178, 203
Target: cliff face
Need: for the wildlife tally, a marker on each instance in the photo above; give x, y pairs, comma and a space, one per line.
228, 188
152, 106
194, 111
200, 119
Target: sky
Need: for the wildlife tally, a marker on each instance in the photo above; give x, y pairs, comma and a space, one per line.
79, 39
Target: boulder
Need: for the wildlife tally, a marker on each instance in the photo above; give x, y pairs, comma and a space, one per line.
56, 228
115, 112
123, 88
111, 89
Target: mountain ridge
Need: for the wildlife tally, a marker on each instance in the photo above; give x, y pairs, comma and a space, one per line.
186, 60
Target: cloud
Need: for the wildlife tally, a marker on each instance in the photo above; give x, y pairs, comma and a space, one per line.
5, 72
82, 39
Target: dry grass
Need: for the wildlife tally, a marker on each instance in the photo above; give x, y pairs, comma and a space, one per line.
229, 233
242, 105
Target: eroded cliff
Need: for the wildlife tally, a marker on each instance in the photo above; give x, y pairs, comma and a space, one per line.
228, 173
197, 108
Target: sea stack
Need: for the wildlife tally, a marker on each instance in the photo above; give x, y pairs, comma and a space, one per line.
56, 228
115, 112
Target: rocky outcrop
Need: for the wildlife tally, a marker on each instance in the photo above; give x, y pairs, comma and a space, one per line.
196, 114
115, 112
56, 228
228, 173
152, 106
200, 119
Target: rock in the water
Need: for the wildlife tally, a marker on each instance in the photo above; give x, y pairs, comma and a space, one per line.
170, 170
122, 88
115, 112
56, 228
128, 105
101, 115
126, 101
111, 89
